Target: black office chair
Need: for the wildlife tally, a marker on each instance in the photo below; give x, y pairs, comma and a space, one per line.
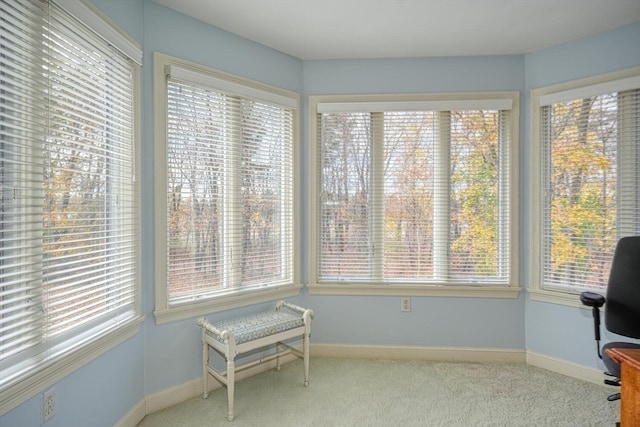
622, 309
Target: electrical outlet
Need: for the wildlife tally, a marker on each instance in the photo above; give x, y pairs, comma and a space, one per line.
48, 404
405, 304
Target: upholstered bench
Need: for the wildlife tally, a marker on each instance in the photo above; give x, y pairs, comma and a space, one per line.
236, 336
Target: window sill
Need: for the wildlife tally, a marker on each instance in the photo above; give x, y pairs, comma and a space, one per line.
416, 290
556, 297
190, 310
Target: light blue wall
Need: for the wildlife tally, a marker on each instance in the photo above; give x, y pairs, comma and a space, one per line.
103, 391
414, 75
555, 330
98, 394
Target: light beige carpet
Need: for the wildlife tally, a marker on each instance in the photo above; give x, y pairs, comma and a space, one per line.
353, 392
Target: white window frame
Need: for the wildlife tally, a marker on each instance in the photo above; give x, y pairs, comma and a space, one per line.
165, 311
89, 344
415, 101
589, 86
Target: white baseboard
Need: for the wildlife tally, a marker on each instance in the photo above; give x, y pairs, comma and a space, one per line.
180, 393
563, 367
171, 396
450, 354
134, 416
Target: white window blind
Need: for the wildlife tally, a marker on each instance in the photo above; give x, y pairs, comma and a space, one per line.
414, 196
229, 187
67, 163
591, 175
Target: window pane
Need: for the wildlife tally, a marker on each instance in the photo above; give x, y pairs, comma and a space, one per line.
88, 239
409, 180
476, 205
196, 132
581, 197
266, 193
345, 151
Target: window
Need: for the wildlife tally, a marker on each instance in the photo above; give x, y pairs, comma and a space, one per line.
226, 208
587, 170
68, 220
414, 191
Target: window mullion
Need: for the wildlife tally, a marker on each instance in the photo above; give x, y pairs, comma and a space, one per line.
442, 191
546, 191
504, 203
628, 133
376, 198
233, 216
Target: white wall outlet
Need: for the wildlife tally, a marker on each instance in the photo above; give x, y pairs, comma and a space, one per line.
405, 304
48, 404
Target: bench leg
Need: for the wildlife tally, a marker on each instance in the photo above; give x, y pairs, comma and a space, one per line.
205, 372
231, 372
305, 346
277, 356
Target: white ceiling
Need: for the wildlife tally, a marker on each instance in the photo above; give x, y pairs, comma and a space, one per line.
333, 29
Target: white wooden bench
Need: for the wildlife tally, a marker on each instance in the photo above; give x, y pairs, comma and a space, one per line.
236, 336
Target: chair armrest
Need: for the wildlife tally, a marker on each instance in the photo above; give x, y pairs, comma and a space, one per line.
592, 299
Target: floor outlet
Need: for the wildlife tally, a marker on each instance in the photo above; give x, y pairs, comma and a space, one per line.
48, 404
405, 304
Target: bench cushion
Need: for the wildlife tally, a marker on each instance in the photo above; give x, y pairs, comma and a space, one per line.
259, 325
